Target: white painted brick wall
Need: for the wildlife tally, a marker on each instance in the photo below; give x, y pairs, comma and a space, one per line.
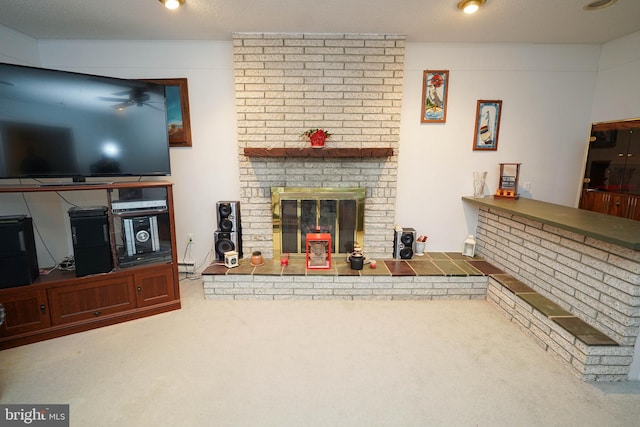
348, 84
596, 281
344, 287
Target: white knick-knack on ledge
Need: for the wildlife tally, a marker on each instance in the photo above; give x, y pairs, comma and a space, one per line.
469, 247
479, 180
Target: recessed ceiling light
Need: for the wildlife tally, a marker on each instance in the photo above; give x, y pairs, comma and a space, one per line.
172, 4
599, 4
471, 6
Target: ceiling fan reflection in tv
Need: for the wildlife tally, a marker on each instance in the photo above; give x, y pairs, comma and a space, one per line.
136, 96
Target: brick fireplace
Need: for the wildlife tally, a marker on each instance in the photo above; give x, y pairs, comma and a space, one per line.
348, 84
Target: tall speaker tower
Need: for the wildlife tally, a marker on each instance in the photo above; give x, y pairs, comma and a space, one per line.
228, 236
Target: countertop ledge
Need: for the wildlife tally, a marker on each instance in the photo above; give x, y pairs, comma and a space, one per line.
612, 229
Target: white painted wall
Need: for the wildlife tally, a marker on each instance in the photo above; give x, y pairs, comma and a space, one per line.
16, 48
617, 94
547, 93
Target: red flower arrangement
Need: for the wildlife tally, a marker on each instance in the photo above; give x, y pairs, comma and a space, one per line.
316, 136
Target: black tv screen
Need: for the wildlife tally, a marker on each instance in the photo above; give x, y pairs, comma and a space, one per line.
59, 124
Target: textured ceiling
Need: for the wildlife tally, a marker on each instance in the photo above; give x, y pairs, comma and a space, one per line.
431, 21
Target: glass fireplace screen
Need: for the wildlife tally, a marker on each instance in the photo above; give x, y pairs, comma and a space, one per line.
298, 211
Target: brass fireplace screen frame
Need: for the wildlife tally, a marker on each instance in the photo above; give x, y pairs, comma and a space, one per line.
343, 237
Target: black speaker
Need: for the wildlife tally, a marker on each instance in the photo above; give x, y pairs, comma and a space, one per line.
228, 214
404, 243
91, 244
141, 234
18, 258
228, 221
225, 241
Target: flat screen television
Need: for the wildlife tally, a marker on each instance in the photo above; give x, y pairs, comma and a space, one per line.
59, 124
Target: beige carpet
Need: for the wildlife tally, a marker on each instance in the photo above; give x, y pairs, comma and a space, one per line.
311, 363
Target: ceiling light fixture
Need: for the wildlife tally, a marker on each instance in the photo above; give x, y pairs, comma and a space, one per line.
471, 6
172, 4
599, 4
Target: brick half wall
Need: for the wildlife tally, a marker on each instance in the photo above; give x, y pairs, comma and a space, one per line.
596, 281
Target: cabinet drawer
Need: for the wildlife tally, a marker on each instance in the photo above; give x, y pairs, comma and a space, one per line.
25, 311
91, 299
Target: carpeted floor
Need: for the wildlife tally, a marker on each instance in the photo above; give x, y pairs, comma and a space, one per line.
311, 363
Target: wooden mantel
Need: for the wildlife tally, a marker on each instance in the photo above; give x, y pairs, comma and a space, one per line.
320, 153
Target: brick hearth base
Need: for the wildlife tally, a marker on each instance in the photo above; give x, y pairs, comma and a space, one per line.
432, 276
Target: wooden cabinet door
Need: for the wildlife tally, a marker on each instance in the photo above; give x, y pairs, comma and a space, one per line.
25, 311
91, 299
634, 208
622, 205
618, 205
154, 286
597, 201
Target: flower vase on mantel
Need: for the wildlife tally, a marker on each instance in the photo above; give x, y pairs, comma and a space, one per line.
317, 137
317, 140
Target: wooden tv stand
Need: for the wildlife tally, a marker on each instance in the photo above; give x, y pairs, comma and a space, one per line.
59, 303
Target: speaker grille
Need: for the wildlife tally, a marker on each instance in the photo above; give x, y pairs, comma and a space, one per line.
228, 236
141, 234
228, 215
404, 243
225, 242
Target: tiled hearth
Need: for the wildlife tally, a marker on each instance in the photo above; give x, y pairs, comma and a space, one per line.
436, 275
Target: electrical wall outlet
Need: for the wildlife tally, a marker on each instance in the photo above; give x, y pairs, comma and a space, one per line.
190, 237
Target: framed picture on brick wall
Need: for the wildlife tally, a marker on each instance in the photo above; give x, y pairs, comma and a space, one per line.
435, 88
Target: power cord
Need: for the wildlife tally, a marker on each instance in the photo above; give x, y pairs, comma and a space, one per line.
67, 264
35, 227
187, 254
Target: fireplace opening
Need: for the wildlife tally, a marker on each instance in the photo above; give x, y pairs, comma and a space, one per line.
301, 210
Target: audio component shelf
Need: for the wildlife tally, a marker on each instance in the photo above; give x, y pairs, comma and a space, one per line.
138, 246
320, 153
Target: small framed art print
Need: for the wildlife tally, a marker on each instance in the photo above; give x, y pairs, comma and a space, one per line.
435, 87
487, 127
